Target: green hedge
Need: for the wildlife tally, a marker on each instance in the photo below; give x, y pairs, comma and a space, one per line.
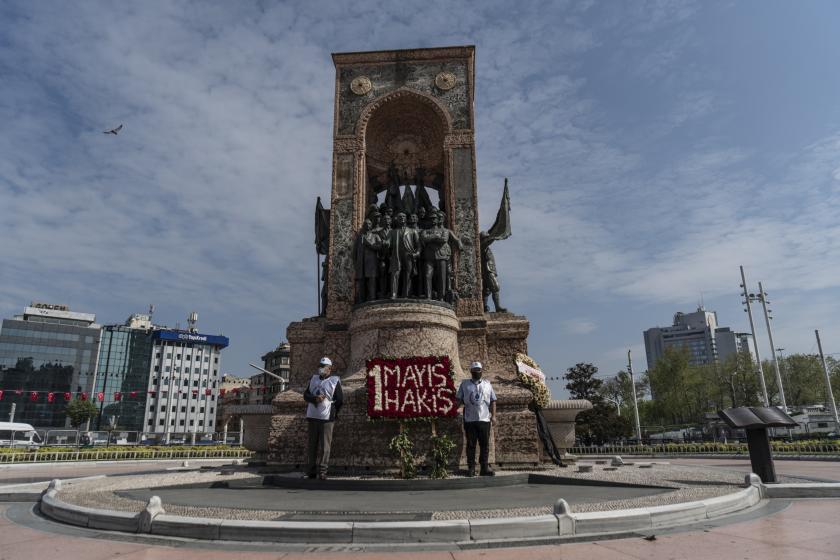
122, 453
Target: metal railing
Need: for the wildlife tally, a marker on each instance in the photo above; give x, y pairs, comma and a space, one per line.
779, 449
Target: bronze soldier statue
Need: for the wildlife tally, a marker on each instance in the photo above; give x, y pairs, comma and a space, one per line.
409, 255
366, 258
489, 280
500, 230
437, 255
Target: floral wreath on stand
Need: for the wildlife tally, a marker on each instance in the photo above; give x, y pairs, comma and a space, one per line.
539, 390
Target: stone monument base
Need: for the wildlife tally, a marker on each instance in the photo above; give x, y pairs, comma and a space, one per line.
395, 329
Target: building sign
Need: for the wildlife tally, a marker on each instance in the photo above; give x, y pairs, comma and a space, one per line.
53, 306
196, 338
414, 387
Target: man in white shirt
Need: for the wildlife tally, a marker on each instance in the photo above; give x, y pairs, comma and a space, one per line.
479, 401
324, 398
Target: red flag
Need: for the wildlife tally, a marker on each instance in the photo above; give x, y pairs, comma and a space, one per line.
83, 396
1, 394
195, 391
152, 393
67, 396
222, 392
117, 396
207, 392
236, 390
33, 396
51, 397
100, 396
132, 394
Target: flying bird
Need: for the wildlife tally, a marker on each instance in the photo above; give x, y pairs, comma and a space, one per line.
113, 131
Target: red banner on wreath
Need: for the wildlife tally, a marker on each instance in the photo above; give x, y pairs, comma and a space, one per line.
415, 387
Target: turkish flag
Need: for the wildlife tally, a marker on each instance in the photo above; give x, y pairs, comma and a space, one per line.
132, 394
117, 396
151, 393
51, 397
236, 390
207, 392
33, 396
1, 394
222, 392
100, 396
195, 391
67, 396
83, 396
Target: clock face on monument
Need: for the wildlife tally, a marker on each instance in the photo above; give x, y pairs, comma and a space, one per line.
360, 85
445, 81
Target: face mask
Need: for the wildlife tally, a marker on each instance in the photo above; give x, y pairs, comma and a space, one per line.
322, 371
476, 375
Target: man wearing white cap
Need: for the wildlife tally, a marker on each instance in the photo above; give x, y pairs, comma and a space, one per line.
479, 400
325, 397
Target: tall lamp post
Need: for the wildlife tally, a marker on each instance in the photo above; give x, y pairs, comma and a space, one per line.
747, 301
635, 401
762, 297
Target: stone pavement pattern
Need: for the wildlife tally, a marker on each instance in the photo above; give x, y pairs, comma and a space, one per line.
807, 529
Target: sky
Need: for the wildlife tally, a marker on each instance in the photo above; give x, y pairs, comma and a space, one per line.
652, 147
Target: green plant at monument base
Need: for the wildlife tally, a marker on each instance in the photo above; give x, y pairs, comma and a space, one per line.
442, 447
403, 448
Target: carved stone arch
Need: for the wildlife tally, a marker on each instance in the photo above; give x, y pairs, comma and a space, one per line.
367, 112
404, 126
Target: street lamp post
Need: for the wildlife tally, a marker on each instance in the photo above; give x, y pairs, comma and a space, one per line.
635, 401
747, 301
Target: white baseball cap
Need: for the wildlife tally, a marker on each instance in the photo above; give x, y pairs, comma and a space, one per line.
326, 361
476, 365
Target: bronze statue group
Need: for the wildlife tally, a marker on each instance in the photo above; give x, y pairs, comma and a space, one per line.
404, 249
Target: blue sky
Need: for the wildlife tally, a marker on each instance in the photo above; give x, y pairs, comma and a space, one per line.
652, 147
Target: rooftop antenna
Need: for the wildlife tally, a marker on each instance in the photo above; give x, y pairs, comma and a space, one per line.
192, 320
151, 311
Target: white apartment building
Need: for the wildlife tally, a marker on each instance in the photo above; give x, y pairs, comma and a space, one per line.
183, 384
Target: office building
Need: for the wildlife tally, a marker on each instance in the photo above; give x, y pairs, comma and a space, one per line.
46, 352
183, 382
277, 362
122, 378
699, 334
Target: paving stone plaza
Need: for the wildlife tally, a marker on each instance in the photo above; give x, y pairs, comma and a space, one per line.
661, 498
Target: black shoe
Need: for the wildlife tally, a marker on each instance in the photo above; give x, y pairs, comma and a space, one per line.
470, 473
488, 472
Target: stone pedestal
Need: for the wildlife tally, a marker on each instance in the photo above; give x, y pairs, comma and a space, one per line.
560, 416
403, 328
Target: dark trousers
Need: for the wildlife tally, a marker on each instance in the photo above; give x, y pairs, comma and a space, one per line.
320, 441
478, 432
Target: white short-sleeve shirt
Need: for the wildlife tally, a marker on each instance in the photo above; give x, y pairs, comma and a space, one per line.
476, 397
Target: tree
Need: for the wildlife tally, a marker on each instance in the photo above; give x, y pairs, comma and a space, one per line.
80, 411
601, 423
582, 383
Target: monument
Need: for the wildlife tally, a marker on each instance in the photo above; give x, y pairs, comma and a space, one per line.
407, 270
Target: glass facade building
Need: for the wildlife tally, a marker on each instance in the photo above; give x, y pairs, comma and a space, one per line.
48, 349
125, 355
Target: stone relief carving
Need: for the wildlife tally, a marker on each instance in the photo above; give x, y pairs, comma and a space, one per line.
417, 76
341, 266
